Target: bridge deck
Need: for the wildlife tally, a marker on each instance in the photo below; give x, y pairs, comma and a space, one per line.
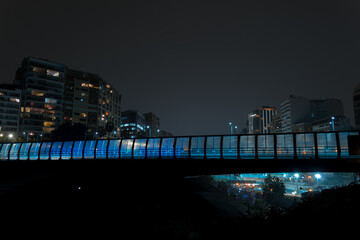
194, 154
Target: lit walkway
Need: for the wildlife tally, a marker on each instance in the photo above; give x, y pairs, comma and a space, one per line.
330, 145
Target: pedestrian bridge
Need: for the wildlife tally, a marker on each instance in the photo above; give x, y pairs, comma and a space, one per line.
222, 153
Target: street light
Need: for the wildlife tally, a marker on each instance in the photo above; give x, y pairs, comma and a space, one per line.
235, 129
231, 131
332, 123
148, 127
297, 182
317, 176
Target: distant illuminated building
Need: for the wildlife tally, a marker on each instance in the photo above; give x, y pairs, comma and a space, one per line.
91, 101
53, 94
133, 125
152, 124
42, 86
9, 111
259, 120
295, 112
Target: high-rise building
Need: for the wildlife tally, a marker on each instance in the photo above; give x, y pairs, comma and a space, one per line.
326, 108
294, 110
152, 124
259, 120
9, 111
91, 101
53, 94
132, 124
42, 86
276, 124
356, 102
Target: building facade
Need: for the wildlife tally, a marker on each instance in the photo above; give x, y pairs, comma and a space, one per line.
326, 108
338, 123
152, 124
259, 121
294, 110
9, 111
91, 101
42, 89
133, 125
52, 94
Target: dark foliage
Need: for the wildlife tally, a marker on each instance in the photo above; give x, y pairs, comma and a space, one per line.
69, 132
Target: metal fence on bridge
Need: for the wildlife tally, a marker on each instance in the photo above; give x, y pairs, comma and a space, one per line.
320, 145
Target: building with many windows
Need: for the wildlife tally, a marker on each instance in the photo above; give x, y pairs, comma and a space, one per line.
91, 101
132, 124
152, 124
259, 121
42, 89
53, 94
9, 111
294, 110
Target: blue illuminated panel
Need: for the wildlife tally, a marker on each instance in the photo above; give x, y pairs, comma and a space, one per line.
213, 147
101, 149
326, 143
78, 150
266, 147
45, 151
167, 148
66, 150
55, 151
139, 148
126, 148
285, 146
343, 137
182, 147
247, 147
197, 147
305, 145
230, 150
24, 151
113, 150
14, 151
34, 151
153, 148
89, 152
4, 153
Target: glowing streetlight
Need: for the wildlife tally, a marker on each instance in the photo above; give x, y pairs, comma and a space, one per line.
297, 182
332, 123
11, 135
317, 176
231, 131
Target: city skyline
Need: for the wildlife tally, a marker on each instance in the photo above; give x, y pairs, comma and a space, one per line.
197, 66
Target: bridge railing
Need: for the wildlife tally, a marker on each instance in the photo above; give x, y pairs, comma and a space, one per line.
310, 145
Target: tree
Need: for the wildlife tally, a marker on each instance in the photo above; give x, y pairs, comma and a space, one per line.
69, 132
273, 190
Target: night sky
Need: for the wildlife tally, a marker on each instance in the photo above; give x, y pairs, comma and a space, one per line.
195, 64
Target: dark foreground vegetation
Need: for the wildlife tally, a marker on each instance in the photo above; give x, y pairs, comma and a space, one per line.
138, 206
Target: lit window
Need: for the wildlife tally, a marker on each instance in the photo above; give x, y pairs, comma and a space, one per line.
84, 85
107, 85
14, 100
52, 73
37, 93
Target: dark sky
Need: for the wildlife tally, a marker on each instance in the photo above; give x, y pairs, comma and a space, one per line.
196, 64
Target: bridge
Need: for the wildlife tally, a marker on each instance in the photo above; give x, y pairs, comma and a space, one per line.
191, 155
